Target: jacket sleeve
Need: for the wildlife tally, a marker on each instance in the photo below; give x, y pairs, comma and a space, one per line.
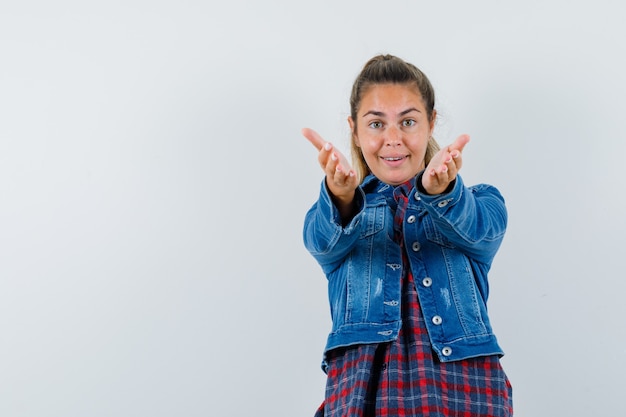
473, 218
324, 236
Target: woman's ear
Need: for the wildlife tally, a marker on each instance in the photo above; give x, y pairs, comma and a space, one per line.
432, 122
355, 138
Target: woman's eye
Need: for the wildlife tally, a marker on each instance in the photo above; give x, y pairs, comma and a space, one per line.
376, 125
408, 123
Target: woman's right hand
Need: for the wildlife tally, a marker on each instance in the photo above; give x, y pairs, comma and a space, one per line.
341, 179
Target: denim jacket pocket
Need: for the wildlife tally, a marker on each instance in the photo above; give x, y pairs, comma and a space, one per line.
433, 234
374, 219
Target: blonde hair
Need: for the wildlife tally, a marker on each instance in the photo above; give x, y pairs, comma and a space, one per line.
389, 69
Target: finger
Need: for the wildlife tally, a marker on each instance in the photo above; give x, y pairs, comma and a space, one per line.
446, 172
456, 161
443, 165
336, 160
325, 156
451, 166
459, 143
332, 164
314, 138
453, 161
342, 177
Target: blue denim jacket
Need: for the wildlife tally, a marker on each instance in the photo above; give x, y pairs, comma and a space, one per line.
450, 240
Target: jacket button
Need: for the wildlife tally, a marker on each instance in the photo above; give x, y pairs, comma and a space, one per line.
410, 219
416, 196
416, 246
437, 320
442, 203
447, 351
427, 282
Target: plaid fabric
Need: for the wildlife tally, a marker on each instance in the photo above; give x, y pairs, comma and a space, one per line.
405, 377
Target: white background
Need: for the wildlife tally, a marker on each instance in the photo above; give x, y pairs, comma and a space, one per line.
153, 184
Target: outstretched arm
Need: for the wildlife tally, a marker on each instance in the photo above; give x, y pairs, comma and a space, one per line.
341, 179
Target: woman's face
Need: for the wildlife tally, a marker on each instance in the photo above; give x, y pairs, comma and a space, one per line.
392, 129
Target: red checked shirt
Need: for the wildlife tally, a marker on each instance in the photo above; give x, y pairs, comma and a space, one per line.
404, 377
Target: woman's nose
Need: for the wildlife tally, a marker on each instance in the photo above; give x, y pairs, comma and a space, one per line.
393, 136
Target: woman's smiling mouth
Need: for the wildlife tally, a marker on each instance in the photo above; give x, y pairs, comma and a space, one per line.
393, 158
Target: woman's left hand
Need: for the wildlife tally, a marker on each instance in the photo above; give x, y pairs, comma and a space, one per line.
444, 166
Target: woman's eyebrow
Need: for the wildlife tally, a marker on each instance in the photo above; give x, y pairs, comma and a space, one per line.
381, 114
407, 111
375, 113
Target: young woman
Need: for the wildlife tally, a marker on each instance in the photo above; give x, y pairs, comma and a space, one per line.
406, 248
